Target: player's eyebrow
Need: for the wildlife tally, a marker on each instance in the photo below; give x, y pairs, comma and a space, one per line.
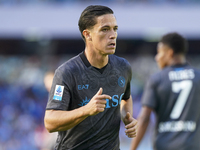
107, 26
116, 26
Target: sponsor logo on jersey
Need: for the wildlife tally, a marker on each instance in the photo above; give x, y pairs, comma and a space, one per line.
84, 102
121, 81
58, 93
81, 87
116, 100
177, 126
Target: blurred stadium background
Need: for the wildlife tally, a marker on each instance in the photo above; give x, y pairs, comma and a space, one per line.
36, 36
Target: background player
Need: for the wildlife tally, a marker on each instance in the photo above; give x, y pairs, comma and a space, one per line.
173, 94
91, 92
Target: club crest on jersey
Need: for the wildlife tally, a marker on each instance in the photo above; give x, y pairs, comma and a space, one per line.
58, 93
121, 81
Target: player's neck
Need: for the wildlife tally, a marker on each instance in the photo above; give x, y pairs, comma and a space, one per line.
177, 60
95, 59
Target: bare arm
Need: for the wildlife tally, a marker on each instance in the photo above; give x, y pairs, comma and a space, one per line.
143, 121
126, 106
126, 116
58, 120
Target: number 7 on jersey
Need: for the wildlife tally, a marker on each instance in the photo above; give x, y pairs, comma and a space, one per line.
184, 87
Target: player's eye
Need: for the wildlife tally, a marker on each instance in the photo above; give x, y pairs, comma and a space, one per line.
105, 29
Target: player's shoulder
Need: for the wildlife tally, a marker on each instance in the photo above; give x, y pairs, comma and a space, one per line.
155, 78
185, 68
119, 61
163, 74
196, 72
69, 65
118, 58
159, 76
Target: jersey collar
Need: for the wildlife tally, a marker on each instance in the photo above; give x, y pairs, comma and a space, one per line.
84, 59
87, 63
179, 65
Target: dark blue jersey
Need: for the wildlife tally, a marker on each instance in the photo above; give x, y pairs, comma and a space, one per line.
75, 83
174, 94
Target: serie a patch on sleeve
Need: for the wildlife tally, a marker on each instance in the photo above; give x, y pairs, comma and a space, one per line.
58, 93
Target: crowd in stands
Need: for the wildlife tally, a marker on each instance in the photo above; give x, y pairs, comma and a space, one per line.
23, 97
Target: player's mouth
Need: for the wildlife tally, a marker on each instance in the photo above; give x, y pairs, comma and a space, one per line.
112, 45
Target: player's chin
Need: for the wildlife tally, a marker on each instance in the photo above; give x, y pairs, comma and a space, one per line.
110, 51
161, 66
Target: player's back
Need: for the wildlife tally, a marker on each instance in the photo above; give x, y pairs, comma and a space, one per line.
177, 108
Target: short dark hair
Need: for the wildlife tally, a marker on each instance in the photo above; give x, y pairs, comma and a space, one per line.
88, 17
175, 41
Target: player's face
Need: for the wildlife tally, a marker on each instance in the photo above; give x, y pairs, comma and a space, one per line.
104, 34
163, 56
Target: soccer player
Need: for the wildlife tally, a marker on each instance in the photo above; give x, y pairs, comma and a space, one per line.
174, 95
90, 93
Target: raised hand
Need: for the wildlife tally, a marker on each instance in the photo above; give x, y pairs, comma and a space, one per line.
98, 103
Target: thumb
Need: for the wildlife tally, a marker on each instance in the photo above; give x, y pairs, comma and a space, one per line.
100, 91
128, 115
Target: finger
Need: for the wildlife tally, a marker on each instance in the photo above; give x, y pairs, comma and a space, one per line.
102, 102
100, 109
130, 130
131, 135
104, 96
132, 124
100, 91
100, 105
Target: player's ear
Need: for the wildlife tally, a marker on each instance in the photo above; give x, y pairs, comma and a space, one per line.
87, 35
170, 52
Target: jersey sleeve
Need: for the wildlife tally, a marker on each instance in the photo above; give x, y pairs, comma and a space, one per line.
127, 92
149, 95
59, 96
